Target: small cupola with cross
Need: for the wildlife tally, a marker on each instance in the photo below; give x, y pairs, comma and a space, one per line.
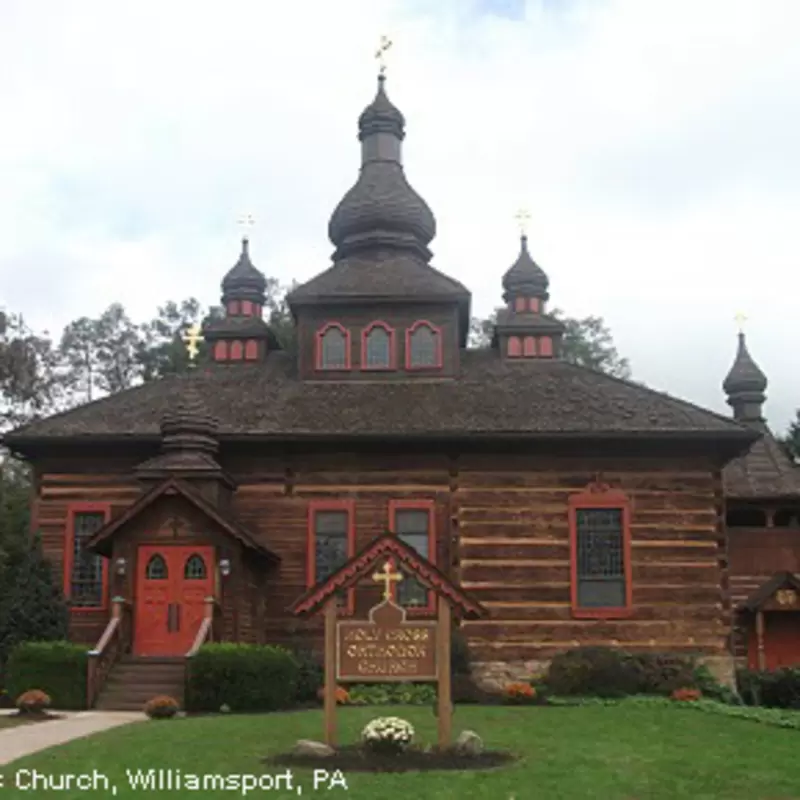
241, 334
523, 330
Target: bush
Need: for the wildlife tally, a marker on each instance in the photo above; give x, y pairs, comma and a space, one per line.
597, 671
244, 677
310, 674
34, 701
387, 694
519, 693
387, 735
57, 668
686, 695
663, 673
161, 707
778, 688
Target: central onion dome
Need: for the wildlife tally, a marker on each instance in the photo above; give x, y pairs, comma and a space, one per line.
525, 276
382, 210
745, 374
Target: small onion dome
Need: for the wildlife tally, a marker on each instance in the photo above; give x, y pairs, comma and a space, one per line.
745, 375
525, 276
243, 281
381, 115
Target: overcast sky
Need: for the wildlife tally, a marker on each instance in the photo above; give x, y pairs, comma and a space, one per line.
654, 142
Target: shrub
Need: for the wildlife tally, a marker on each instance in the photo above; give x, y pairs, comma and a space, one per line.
244, 677
519, 693
686, 695
386, 694
663, 673
34, 701
778, 688
161, 707
342, 695
598, 671
58, 668
387, 735
310, 674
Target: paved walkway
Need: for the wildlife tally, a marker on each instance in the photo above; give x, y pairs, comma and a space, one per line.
22, 740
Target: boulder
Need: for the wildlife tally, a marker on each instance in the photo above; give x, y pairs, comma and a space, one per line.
468, 744
308, 747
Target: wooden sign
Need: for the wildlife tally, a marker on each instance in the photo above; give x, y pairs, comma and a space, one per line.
386, 647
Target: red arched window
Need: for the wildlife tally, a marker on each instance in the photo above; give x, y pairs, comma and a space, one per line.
529, 346
514, 347
247, 307
236, 351
520, 303
377, 346
333, 347
233, 307
533, 304
423, 346
250, 350
221, 351
545, 346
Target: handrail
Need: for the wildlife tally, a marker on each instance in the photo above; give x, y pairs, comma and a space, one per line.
202, 635
112, 626
105, 653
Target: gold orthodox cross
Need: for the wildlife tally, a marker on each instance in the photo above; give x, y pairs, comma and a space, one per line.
523, 217
380, 53
387, 578
246, 222
192, 337
740, 321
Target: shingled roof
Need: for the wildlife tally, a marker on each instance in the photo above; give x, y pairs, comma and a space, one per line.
763, 472
490, 397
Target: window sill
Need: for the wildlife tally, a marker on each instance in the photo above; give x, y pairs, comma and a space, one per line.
602, 613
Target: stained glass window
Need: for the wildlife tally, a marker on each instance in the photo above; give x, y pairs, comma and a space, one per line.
195, 569
86, 580
413, 527
423, 347
333, 349
330, 549
600, 557
378, 350
156, 569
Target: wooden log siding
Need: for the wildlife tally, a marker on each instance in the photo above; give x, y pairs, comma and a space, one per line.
515, 558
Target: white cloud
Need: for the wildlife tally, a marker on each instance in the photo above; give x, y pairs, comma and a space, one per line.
655, 144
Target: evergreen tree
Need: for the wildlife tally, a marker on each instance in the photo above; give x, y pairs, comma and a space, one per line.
32, 606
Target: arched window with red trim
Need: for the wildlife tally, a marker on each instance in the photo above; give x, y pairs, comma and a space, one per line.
250, 350
221, 351
333, 347
423, 346
529, 346
377, 346
546, 346
236, 351
514, 347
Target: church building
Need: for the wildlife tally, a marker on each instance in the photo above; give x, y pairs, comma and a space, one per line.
576, 507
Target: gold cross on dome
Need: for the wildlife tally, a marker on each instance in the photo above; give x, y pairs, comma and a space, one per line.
523, 217
387, 577
246, 223
740, 320
380, 53
192, 337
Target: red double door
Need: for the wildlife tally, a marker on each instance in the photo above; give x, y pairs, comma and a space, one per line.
172, 584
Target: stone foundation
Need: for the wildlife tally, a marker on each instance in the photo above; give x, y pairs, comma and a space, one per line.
496, 675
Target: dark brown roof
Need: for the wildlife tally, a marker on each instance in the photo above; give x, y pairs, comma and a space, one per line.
172, 486
492, 396
780, 580
387, 275
764, 472
376, 552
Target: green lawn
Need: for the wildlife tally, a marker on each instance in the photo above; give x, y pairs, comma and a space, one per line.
597, 752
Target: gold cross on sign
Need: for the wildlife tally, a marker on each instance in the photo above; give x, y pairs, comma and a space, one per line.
246, 222
523, 217
380, 53
192, 337
740, 321
387, 577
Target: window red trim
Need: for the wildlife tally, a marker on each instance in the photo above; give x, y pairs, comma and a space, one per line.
437, 331
221, 351
311, 562
600, 497
529, 346
392, 351
251, 350
69, 546
514, 347
318, 347
430, 507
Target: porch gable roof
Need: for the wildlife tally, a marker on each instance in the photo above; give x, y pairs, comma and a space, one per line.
780, 580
